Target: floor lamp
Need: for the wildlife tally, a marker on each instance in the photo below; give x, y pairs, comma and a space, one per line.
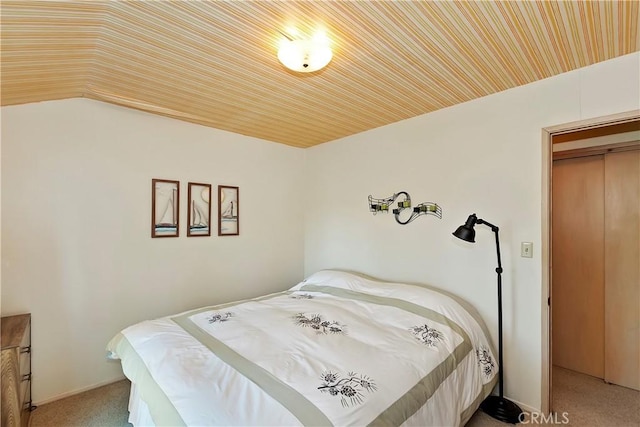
497, 406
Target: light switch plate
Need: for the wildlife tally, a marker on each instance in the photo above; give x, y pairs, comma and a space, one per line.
526, 249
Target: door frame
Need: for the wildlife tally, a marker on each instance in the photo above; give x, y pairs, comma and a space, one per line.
547, 167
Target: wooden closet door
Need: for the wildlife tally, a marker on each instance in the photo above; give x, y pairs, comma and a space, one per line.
577, 299
622, 269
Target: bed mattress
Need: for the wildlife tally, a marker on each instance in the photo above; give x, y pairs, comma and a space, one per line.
336, 349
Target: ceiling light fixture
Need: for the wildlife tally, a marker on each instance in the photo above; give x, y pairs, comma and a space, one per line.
305, 55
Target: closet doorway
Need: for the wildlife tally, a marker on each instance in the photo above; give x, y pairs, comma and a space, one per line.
595, 242
593, 254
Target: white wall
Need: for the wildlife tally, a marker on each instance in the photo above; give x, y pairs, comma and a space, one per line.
76, 246
484, 156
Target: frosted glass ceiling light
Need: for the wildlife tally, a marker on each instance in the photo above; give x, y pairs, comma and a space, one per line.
305, 55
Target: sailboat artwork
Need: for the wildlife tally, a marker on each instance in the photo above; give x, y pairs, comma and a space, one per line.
228, 211
199, 209
165, 209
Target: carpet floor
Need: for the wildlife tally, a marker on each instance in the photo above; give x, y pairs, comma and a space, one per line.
589, 401
579, 400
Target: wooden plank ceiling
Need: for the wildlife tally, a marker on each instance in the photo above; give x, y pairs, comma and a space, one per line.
214, 62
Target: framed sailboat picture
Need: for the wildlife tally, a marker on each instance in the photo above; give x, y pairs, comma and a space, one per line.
165, 208
228, 211
199, 213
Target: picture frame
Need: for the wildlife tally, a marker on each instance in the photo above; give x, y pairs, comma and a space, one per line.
199, 210
228, 210
165, 208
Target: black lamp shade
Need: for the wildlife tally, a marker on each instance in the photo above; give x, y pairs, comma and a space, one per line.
466, 232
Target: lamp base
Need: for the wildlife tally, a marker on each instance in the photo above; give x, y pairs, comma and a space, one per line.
502, 409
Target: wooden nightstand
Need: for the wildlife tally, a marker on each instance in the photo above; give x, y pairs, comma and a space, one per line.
15, 372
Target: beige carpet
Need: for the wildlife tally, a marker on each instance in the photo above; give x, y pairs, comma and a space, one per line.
104, 406
588, 402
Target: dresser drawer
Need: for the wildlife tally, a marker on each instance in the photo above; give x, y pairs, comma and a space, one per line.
11, 388
15, 406
24, 392
25, 360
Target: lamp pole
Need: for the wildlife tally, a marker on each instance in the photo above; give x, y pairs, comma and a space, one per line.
495, 229
496, 406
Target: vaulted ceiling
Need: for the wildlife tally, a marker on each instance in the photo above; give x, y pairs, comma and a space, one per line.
214, 62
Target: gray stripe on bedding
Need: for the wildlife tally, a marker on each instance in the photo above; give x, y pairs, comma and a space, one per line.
466, 415
468, 307
417, 396
394, 302
297, 404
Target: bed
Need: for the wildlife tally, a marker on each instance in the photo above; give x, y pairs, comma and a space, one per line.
338, 348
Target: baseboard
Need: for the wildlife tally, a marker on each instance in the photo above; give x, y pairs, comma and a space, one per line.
78, 391
524, 406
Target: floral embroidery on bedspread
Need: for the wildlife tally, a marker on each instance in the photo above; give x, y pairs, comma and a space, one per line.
350, 388
426, 335
219, 317
485, 361
319, 324
301, 296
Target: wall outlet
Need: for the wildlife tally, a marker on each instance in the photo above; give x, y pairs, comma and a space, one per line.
526, 249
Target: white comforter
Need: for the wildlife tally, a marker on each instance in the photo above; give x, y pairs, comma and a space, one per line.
336, 349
